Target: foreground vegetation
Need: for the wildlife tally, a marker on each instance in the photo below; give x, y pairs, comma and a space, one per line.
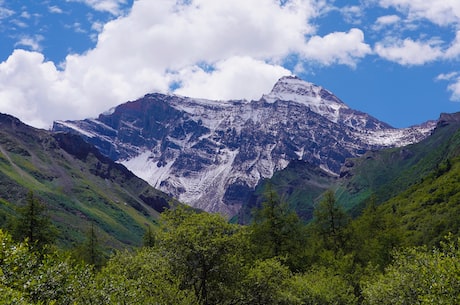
200, 258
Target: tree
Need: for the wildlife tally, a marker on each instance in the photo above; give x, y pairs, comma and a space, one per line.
52, 278
375, 235
323, 285
33, 225
418, 276
204, 252
149, 237
277, 231
90, 250
141, 277
268, 282
330, 222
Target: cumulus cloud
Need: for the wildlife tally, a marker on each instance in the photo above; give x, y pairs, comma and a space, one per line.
230, 78
338, 47
162, 43
409, 52
32, 88
441, 12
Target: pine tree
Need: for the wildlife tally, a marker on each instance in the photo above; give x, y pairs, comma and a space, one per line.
90, 250
277, 231
33, 225
330, 222
149, 237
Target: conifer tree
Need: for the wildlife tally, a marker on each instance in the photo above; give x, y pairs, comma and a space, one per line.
90, 251
33, 224
277, 231
149, 237
330, 222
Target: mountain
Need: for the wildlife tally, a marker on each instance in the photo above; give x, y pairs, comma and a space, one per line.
417, 185
212, 154
78, 185
386, 173
404, 177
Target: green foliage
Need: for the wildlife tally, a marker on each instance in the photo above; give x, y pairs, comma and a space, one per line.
140, 277
419, 276
429, 209
268, 282
27, 278
33, 224
277, 231
330, 223
204, 253
90, 251
322, 285
375, 235
149, 237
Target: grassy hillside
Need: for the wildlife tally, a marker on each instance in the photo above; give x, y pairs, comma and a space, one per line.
386, 173
77, 184
300, 185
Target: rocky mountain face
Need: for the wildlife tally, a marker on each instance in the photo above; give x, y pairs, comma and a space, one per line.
211, 154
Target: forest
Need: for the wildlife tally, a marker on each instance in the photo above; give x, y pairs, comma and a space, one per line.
193, 257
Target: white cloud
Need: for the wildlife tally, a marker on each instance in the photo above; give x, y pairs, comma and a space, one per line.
453, 51
111, 6
409, 52
338, 47
454, 84
447, 76
25, 15
54, 9
384, 21
352, 14
230, 79
455, 89
5, 13
160, 43
440, 12
32, 88
32, 42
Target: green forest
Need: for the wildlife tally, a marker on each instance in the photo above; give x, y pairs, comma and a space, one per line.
193, 257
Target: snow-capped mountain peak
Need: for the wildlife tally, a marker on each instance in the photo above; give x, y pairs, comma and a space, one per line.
211, 154
318, 99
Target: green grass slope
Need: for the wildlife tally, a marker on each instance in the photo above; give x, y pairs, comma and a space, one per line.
300, 185
78, 185
384, 174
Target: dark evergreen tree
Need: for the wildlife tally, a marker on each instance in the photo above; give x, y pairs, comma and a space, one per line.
91, 251
149, 237
330, 223
33, 224
277, 231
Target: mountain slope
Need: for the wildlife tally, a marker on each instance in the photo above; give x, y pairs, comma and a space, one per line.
212, 154
77, 183
386, 173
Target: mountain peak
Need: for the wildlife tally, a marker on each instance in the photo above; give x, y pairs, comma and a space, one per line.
318, 99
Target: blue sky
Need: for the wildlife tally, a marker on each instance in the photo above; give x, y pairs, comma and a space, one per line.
397, 60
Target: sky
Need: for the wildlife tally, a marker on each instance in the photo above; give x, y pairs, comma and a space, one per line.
398, 60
